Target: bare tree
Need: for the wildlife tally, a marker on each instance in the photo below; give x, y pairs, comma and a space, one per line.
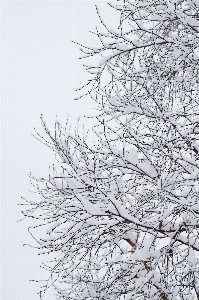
122, 215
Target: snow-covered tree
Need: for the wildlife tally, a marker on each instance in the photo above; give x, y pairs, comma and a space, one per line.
122, 214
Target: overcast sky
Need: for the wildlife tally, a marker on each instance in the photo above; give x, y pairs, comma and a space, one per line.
40, 71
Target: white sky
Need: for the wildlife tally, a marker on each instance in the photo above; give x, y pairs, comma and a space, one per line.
40, 71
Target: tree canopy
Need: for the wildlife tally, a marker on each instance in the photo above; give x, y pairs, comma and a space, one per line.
122, 214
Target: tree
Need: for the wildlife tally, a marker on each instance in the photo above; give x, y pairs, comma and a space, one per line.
122, 215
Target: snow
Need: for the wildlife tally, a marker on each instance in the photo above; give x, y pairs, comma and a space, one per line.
193, 175
196, 53
191, 257
131, 155
85, 293
163, 243
132, 237
140, 281
195, 207
104, 60
171, 7
97, 209
122, 46
196, 145
192, 22
93, 209
148, 169
195, 2
53, 226
114, 101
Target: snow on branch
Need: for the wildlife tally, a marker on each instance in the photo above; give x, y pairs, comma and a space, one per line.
122, 214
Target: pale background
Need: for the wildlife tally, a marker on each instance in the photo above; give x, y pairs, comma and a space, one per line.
40, 71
